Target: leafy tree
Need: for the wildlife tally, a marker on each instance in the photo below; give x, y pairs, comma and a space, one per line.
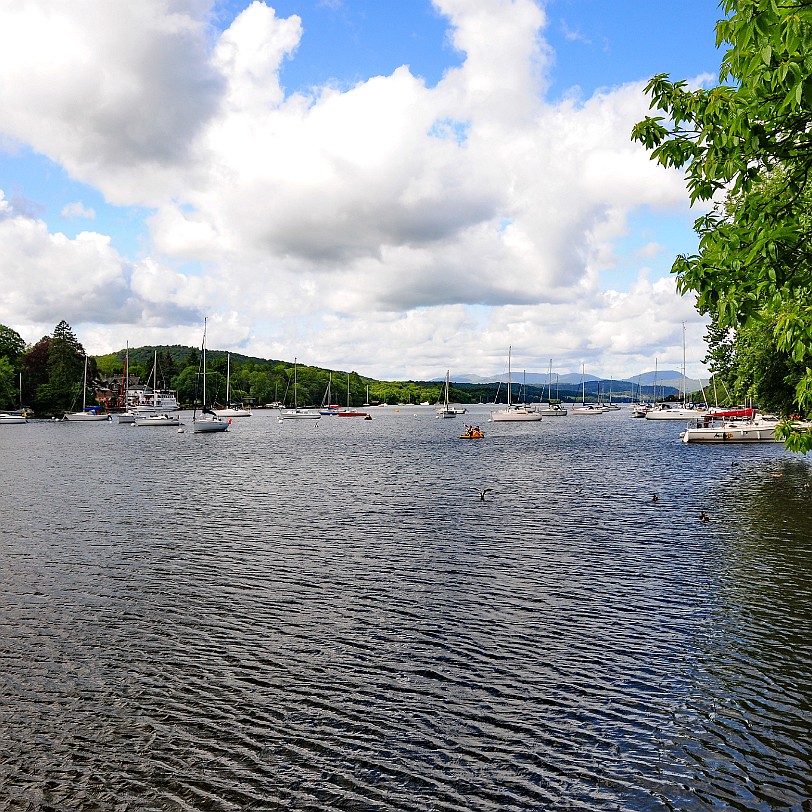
12, 345
748, 139
8, 385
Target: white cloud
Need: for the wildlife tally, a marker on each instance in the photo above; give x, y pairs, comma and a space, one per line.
77, 211
380, 217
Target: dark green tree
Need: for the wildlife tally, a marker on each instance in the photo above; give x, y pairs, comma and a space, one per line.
62, 389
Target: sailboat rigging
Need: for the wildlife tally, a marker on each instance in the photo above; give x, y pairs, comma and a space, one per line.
514, 414
89, 414
207, 421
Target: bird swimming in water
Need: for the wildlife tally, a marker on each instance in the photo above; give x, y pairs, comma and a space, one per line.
703, 517
482, 493
654, 497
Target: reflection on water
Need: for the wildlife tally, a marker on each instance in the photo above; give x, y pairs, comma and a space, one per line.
328, 616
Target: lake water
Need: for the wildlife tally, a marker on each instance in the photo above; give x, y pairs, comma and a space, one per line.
327, 616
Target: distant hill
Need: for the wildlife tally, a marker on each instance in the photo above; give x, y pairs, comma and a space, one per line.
669, 378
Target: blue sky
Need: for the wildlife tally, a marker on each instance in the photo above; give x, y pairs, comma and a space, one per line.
284, 174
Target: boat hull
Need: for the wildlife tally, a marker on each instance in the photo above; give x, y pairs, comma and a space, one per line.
209, 425
299, 414
87, 417
232, 412
515, 416
157, 420
761, 431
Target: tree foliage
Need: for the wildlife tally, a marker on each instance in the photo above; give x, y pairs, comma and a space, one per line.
746, 145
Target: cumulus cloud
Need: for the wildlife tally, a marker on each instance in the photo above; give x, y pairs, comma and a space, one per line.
386, 208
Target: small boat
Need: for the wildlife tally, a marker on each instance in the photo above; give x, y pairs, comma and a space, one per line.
589, 408
445, 410
208, 421
472, 434
296, 413
89, 414
231, 409
586, 408
553, 410
328, 409
349, 411
157, 420
11, 417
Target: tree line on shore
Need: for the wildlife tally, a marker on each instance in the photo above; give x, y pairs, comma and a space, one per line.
47, 377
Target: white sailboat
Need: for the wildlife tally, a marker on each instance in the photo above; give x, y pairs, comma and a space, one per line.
328, 408
586, 408
89, 414
127, 415
231, 409
296, 413
553, 409
349, 411
676, 411
207, 421
445, 410
514, 414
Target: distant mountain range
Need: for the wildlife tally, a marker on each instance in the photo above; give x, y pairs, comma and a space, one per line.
668, 378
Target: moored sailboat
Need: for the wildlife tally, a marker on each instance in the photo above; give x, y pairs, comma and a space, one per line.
231, 409
296, 413
207, 421
89, 414
514, 414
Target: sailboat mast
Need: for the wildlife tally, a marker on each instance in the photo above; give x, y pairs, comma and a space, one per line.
228, 379
550, 381
684, 381
84, 386
510, 381
583, 384
204, 362
155, 381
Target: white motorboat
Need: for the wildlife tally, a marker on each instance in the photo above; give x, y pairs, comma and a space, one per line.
674, 411
761, 429
10, 418
514, 414
157, 420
